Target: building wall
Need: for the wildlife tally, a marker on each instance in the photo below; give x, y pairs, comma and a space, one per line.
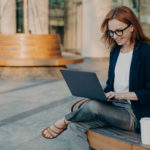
73, 26
93, 15
83, 20
82, 27
145, 16
8, 16
38, 16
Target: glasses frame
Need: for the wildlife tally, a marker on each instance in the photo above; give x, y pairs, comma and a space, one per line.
115, 32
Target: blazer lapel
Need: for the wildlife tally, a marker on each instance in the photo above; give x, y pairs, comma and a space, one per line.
135, 67
114, 61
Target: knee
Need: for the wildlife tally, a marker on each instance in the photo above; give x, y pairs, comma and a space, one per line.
94, 106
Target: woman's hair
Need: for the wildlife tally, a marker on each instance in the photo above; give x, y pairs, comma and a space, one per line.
125, 15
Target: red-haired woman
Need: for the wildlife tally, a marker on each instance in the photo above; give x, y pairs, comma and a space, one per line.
128, 82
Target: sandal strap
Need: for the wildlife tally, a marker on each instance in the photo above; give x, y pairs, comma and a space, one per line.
58, 127
50, 130
65, 126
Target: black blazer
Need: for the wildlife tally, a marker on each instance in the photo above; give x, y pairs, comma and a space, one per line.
139, 77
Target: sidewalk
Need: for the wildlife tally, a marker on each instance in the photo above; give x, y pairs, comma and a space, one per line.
27, 107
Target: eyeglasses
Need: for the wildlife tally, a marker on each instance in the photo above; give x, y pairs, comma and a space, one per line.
117, 32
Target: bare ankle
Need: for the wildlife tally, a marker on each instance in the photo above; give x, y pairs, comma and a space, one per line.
66, 122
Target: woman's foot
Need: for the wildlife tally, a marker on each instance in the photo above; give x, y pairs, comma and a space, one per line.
55, 130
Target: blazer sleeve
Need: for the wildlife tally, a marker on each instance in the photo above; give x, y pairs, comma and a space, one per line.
144, 93
108, 87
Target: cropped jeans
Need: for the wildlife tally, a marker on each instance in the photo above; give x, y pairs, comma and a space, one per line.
96, 114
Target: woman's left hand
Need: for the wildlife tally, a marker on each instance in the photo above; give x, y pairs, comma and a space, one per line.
119, 96
115, 95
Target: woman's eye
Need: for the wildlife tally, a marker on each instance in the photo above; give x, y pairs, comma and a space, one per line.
118, 31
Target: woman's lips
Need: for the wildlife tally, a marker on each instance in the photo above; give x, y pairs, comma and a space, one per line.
118, 41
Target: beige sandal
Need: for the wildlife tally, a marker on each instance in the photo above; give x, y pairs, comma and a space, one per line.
53, 134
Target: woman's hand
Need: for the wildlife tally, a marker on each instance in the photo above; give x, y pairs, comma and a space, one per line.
119, 96
115, 95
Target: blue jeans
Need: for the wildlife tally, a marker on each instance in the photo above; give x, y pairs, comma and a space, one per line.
98, 114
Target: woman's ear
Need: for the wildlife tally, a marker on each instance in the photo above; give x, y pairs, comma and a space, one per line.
131, 28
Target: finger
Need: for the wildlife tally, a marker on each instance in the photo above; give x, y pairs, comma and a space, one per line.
107, 94
111, 96
117, 97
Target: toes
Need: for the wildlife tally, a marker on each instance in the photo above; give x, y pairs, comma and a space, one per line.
51, 132
48, 134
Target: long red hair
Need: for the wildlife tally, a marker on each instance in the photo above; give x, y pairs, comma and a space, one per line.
125, 15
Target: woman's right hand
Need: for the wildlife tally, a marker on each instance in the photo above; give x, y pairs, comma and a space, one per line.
110, 94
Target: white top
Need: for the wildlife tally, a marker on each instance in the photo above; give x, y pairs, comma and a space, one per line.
122, 69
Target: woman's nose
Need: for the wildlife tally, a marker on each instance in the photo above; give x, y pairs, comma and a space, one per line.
115, 36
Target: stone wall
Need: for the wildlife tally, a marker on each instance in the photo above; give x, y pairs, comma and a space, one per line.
38, 16
73, 26
8, 16
83, 20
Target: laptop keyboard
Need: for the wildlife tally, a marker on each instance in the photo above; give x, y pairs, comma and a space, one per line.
124, 101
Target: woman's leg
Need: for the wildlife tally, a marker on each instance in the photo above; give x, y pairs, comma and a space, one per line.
77, 134
103, 114
113, 115
57, 128
97, 111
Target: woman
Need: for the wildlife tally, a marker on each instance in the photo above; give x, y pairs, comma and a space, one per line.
128, 82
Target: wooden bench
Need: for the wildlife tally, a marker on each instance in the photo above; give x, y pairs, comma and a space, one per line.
115, 139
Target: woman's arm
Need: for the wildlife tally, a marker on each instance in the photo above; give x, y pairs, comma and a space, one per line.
143, 93
108, 82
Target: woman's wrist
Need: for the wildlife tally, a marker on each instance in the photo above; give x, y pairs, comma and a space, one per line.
131, 96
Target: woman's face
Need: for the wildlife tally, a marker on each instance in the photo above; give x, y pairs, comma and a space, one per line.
123, 36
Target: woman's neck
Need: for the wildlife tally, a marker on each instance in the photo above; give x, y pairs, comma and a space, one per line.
127, 47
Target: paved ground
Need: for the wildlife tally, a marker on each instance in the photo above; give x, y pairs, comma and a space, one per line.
28, 106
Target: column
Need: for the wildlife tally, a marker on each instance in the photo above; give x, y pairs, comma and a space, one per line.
145, 16
73, 23
8, 16
79, 28
94, 11
38, 16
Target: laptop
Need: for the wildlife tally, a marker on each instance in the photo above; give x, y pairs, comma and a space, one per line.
84, 84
